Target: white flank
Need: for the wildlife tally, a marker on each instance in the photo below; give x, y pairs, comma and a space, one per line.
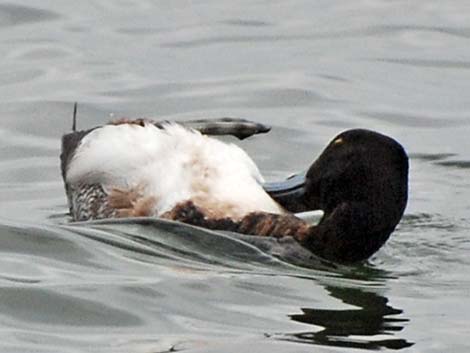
172, 165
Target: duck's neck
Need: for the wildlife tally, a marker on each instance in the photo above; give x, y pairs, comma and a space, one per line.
351, 233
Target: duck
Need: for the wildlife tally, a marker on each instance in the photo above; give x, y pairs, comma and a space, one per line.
181, 172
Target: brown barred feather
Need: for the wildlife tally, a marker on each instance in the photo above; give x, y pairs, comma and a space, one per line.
256, 223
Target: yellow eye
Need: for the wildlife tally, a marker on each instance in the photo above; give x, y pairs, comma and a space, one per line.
338, 141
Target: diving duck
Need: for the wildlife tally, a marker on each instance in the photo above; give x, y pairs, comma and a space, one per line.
178, 171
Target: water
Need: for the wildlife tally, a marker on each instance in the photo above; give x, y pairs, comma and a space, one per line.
309, 69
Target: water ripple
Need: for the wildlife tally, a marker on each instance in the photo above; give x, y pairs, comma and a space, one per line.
12, 15
415, 120
359, 32
50, 307
455, 164
434, 63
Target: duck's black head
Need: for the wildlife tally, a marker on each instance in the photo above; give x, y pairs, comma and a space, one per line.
360, 181
360, 166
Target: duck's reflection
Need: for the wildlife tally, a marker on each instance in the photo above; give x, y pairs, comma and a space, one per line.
354, 328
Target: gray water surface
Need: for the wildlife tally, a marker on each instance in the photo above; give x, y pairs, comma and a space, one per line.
308, 69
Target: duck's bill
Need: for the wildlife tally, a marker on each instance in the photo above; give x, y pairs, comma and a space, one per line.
289, 193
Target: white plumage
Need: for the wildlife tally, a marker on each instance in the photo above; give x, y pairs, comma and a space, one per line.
171, 164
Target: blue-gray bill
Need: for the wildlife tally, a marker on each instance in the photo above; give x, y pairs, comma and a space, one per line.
289, 193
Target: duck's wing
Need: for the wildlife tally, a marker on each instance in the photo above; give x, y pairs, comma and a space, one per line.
289, 193
240, 128
93, 194
70, 142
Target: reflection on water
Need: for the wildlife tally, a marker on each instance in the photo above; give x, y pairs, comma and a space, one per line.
354, 328
127, 274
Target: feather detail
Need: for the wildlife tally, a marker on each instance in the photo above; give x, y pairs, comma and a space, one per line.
257, 223
147, 170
